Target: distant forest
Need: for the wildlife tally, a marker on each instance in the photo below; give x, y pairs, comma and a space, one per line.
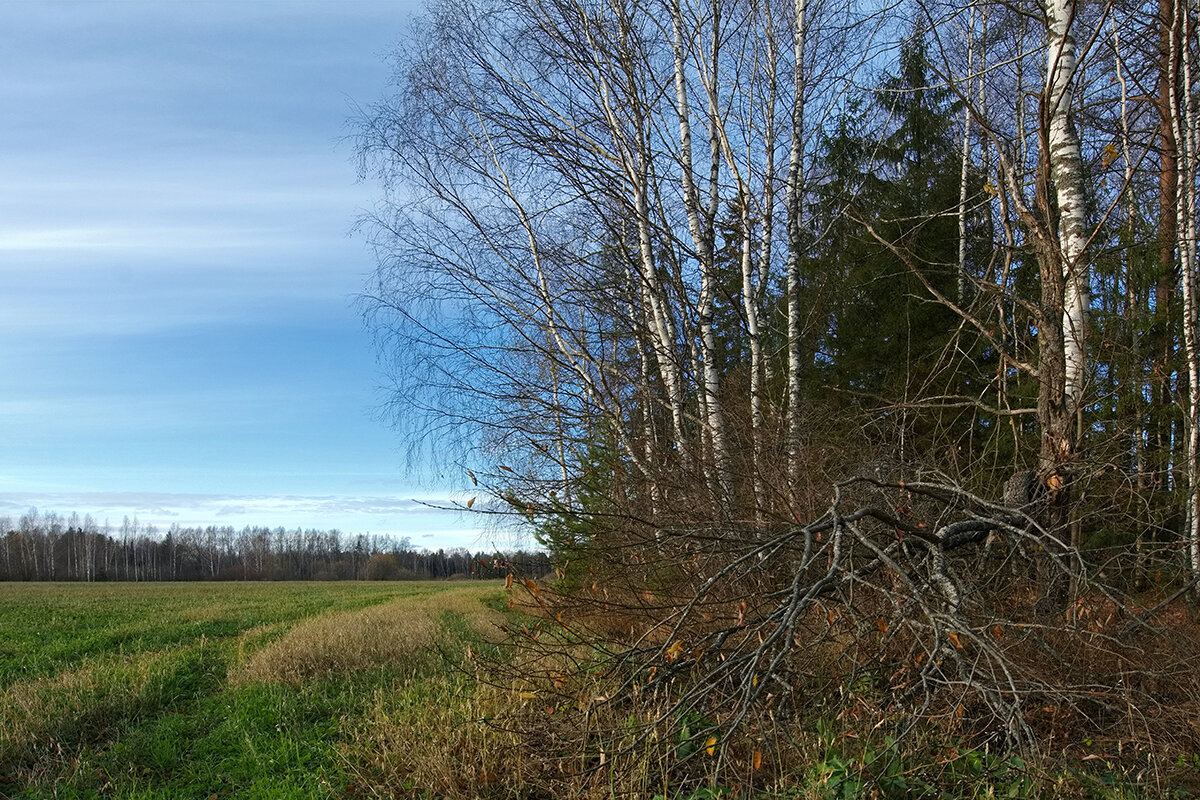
51, 547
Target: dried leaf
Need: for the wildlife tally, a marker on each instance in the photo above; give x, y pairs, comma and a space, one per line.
757, 759
470, 503
953, 637
710, 746
1108, 155
471, 475
883, 626
508, 581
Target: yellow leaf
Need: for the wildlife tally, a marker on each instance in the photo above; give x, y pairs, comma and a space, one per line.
533, 587
527, 695
1054, 482
508, 581
674, 651
1109, 154
710, 746
470, 503
757, 759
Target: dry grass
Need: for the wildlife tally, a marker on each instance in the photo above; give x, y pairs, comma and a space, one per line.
386, 635
478, 739
567, 717
549, 721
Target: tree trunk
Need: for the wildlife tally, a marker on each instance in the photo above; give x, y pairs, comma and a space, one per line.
795, 217
1065, 282
1183, 129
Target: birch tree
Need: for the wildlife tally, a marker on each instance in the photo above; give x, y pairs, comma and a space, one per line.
1181, 50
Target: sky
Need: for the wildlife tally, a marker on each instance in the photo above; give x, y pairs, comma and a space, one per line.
178, 337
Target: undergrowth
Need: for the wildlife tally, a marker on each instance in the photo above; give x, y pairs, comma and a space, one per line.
454, 694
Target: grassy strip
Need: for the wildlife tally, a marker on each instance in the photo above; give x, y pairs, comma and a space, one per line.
388, 635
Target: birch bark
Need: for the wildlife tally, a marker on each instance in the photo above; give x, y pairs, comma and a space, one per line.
1183, 128
1066, 166
963, 277
795, 215
700, 225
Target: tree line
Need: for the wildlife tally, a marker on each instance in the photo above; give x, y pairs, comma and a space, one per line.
53, 547
693, 263
817, 332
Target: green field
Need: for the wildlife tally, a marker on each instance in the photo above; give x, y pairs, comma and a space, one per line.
238, 690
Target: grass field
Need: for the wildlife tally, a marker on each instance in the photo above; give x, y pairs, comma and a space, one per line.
245, 690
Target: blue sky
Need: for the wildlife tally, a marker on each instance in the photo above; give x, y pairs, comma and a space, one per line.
177, 335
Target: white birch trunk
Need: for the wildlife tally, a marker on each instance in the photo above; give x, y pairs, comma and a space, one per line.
1183, 126
662, 325
701, 230
963, 278
1066, 166
795, 215
635, 160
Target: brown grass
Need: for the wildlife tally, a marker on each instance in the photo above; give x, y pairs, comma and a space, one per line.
558, 721
545, 722
385, 635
